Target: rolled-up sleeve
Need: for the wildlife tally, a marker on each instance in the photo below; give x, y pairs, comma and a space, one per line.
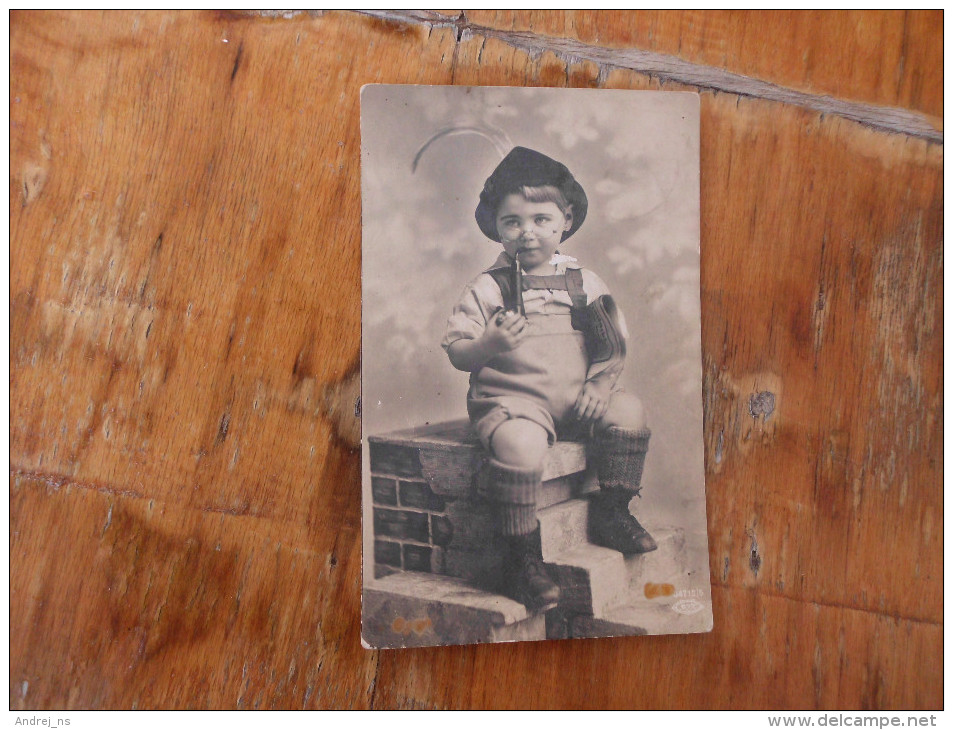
595, 287
479, 300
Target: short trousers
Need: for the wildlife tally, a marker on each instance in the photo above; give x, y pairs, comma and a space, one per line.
539, 381
509, 407
493, 412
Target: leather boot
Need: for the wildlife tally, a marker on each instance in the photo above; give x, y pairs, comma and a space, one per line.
524, 576
619, 455
611, 524
512, 491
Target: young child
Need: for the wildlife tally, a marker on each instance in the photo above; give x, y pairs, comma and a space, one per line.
544, 345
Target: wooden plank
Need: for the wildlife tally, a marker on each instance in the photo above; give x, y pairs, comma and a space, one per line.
185, 227
172, 272
788, 655
135, 603
889, 57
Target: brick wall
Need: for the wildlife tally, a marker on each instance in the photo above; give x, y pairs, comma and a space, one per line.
411, 526
428, 515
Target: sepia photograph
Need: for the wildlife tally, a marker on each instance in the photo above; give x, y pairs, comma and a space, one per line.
468, 360
531, 385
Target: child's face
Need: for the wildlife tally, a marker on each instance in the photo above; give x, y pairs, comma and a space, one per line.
534, 230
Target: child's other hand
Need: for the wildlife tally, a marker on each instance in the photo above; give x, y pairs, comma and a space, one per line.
591, 405
505, 331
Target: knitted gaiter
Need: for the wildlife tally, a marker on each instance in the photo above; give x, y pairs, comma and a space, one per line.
619, 455
513, 491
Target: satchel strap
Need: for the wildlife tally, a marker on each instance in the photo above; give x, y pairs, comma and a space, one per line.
574, 287
502, 278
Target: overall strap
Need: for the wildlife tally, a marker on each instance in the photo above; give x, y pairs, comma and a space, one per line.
502, 278
571, 283
574, 286
554, 282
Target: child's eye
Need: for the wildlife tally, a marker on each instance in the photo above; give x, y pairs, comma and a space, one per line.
542, 219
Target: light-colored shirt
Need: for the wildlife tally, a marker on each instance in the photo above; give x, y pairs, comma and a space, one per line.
482, 298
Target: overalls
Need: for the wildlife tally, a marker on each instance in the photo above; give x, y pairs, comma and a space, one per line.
541, 379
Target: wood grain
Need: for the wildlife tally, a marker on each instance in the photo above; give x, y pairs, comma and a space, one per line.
892, 58
185, 227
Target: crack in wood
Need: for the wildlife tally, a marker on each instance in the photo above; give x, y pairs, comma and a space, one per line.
673, 69
55, 482
762, 593
58, 481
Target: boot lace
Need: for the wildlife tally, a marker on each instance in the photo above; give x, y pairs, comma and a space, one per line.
631, 527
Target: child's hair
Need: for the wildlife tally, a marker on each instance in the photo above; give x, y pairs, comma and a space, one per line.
545, 194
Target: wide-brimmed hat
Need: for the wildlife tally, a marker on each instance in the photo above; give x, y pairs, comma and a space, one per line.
523, 166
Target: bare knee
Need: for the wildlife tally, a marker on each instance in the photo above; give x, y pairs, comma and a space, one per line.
520, 443
625, 411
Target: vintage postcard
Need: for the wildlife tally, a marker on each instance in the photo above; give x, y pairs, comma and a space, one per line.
532, 450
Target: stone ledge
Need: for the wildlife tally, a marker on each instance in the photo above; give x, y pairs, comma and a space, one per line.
596, 579
563, 526
420, 609
665, 565
643, 617
591, 578
448, 455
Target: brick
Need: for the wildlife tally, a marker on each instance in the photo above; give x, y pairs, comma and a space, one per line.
384, 491
417, 557
441, 530
401, 524
387, 552
382, 571
395, 459
437, 560
419, 495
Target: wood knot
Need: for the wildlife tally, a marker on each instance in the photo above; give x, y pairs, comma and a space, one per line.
761, 404
33, 178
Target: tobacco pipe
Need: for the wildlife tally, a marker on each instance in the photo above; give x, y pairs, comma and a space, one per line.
515, 296
516, 279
